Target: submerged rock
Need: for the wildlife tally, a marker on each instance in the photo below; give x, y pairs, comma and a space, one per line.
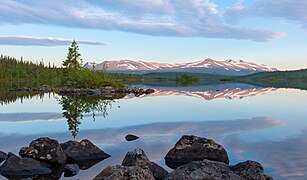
3, 156
83, 151
71, 170
214, 170
139, 158
124, 173
17, 166
193, 148
44, 149
131, 137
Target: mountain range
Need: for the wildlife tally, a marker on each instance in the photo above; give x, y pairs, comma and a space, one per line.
211, 66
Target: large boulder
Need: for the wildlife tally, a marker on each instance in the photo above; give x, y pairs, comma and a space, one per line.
83, 151
17, 166
214, 170
124, 173
3, 156
139, 158
193, 148
44, 149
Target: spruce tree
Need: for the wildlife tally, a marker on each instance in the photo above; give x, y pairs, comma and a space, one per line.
73, 60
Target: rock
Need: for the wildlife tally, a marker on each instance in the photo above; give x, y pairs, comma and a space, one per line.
149, 91
139, 158
249, 170
3, 156
17, 166
131, 137
206, 169
84, 165
44, 149
71, 170
83, 151
267, 177
215, 170
124, 173
193, 148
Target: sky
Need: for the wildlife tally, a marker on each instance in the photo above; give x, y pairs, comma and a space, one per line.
271, 32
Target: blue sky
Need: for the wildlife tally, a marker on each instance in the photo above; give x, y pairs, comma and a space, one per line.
271, 32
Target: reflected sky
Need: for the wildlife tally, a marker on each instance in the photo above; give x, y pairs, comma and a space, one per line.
266, 125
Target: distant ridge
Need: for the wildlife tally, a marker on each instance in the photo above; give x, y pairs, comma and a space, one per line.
211, 66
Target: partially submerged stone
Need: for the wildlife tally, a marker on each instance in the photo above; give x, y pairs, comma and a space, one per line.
17, 166
71, 170
131, 137
83, 151
214, 170
139, 158
250, 170
44, 149
124, 173
3, 156
193, 148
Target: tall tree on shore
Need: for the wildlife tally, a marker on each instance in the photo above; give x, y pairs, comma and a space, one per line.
72, 65
74, 60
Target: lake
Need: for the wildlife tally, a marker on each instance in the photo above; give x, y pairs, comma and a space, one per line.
267, 125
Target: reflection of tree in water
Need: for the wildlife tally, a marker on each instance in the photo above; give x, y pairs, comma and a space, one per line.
74, 107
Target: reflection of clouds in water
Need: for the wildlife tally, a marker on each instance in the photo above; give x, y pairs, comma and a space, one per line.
156, 138
287, 158
32, 117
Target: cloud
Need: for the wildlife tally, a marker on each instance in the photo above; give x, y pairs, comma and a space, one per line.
41, 41
189, 18
291, 10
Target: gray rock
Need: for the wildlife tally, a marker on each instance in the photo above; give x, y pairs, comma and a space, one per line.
139, 158
17, 166
131, 137
193, 148
124, 173
3, 156
206, 169
71, 170
149, 91
83, 151
249, 170
213, 170
44, 149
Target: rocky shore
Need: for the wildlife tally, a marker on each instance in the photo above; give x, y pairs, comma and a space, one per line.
191, 158
103, 91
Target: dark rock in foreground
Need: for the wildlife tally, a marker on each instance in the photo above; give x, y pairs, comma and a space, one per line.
3, 156
139, 158
250, 170
193, 148
44, 149
71, 170
17, 166
83, 151
131, 137
214, 170
124, 173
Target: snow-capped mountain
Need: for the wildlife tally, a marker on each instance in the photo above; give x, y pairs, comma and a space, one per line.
228, 67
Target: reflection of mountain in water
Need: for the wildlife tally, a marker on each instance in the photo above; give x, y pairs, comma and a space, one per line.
227, 91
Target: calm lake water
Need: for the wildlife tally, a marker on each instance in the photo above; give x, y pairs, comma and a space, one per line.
267, 125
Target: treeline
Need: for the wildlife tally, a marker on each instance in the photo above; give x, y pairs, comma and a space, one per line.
12, 69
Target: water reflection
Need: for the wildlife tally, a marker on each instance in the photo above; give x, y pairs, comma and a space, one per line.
211, 92
74, 107
156, 139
